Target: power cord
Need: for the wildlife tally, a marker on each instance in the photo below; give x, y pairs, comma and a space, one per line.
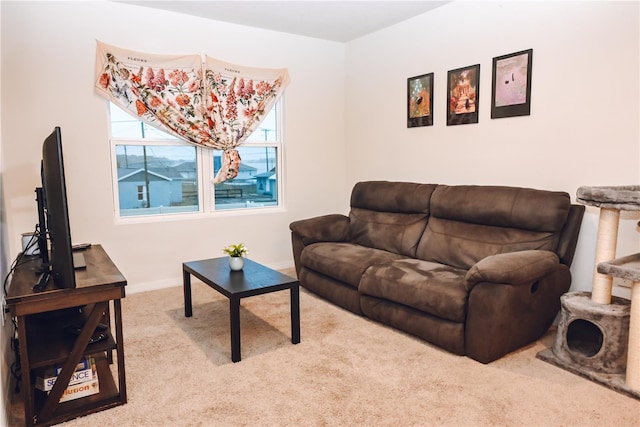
16, 367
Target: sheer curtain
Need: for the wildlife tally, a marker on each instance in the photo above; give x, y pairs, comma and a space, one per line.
209, 103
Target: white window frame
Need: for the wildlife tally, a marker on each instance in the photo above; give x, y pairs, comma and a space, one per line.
206, 188
142, 192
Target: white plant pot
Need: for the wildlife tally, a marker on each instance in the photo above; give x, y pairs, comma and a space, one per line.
236, 263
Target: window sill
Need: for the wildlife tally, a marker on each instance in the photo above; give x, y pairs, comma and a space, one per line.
148, 219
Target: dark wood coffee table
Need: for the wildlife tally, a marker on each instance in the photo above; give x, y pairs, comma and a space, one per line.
253, 279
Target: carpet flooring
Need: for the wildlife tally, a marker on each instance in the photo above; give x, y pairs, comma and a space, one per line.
346, 371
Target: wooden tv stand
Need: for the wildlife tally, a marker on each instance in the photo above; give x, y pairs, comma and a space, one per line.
44, 340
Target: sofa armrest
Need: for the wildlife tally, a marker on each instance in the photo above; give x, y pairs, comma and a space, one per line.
522, 267
513, 300
326, 228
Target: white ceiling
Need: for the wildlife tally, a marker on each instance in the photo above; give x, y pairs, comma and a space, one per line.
334, 20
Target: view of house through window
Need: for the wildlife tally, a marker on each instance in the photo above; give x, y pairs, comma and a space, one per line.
256, 184
155, 179
157, 174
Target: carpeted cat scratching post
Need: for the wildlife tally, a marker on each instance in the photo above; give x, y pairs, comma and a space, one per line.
598, 335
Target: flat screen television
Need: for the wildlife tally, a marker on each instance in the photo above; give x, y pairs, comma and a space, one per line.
55, 242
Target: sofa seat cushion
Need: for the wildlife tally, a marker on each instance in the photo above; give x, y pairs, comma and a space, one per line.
344, 261
426, 286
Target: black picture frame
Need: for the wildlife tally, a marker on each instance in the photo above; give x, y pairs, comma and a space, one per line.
511, 85
463, 95
420, 100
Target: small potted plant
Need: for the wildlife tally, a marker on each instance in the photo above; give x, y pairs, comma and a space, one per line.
236, 255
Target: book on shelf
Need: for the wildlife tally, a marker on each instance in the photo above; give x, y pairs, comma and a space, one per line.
77, 391
85, 372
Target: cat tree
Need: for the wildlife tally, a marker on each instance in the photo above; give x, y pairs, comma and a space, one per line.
599, 334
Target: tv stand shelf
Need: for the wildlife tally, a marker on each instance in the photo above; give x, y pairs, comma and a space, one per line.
50, 341
44, 320
108, 396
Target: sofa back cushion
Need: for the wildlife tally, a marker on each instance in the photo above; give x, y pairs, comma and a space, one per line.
389, 215
469, 223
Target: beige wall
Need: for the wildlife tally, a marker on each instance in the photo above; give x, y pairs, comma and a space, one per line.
48, 52
584, 122
6, 326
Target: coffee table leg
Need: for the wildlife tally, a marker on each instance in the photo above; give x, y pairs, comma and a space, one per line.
295, 314
234, 314
186, 283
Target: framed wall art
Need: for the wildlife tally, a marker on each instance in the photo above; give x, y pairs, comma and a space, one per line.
511, 87
420, 101
463, 95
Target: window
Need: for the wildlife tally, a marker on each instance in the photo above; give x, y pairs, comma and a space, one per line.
142, 192
157, 174
156, 179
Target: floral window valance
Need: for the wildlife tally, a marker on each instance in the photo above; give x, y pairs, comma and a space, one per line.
209, 103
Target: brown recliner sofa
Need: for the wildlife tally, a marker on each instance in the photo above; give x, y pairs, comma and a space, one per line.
476, 270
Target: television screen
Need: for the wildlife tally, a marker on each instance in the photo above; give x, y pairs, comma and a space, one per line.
57, 214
